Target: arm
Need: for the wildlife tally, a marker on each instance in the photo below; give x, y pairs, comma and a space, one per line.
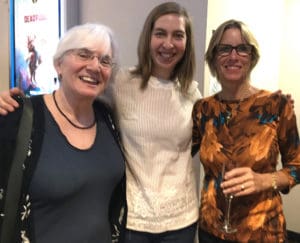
7, 102
196, 136
244, 181
289, 145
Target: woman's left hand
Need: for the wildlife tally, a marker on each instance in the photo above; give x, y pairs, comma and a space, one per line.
243, 181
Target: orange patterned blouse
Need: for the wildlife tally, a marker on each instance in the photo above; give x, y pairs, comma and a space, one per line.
251, 132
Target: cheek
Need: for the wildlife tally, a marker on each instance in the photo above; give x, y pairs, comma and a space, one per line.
69, 68
218, 64
247, 65
106, 74
182, 46
154, 44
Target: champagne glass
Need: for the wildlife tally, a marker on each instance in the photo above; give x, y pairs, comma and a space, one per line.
226, 226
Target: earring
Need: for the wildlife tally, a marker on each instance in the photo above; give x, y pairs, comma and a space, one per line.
59, 77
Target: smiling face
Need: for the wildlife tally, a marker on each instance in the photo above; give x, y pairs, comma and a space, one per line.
168, 43
232, 68
85, 76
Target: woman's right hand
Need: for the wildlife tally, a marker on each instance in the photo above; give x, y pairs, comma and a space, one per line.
7, 102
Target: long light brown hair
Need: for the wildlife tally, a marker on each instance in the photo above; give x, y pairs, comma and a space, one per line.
185, 68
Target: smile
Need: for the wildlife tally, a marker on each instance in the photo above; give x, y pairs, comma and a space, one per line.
89, 80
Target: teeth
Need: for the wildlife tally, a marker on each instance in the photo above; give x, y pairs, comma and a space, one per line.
166, 55
232, 67
88, 79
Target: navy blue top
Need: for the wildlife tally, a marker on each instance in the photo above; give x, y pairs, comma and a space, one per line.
70, 193
67, 194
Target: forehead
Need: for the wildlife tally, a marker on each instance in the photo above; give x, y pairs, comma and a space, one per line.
232, 36
170, 22
101, 47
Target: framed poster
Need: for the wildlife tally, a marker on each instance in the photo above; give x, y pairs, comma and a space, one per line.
34, 33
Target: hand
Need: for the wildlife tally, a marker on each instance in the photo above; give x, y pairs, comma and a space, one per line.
289, 97
242, 181
7, 103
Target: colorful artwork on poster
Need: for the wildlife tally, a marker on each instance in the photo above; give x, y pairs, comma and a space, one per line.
36, 33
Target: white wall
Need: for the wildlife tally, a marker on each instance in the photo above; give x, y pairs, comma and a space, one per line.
126, 18
275, 25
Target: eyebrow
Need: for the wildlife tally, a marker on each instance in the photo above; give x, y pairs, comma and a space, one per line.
90, 51
164, 30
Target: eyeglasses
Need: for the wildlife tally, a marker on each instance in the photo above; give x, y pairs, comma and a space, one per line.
242, 50
85, 55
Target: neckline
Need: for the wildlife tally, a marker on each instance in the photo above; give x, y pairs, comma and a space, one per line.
229, 109
68, 119
237, 101
161, 83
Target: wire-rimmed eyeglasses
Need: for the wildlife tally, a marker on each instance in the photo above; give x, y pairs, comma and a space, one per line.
86, 55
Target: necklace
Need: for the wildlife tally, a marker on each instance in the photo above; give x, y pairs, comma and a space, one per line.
67, 118
231, 110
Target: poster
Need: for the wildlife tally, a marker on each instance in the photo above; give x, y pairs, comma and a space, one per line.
36, 31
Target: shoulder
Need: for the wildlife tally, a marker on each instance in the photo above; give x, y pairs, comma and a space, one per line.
276, 99
208, 101
208, 106
193, 91
102, 106
124, 75
271, 95
273, 104
125, 83
9, 124
105, 111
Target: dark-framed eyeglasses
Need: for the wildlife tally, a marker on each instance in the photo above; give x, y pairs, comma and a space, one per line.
243, 50
87, 56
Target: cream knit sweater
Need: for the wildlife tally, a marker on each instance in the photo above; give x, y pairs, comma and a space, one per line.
156, 131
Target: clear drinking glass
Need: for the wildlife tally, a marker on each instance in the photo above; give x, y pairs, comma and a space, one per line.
226, 226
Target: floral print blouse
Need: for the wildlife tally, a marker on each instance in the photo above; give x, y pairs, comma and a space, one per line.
252, 132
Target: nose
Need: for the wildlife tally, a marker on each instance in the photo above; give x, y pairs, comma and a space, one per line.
168, 42
233, 53
94, 62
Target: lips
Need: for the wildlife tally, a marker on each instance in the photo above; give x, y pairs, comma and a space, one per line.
89, 80
166, 57
166, 54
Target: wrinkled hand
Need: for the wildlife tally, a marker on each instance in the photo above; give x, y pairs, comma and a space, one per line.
243, 181
7, 103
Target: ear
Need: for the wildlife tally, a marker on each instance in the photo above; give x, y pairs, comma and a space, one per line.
57, 66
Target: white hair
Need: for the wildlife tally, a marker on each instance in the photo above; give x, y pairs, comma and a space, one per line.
81, 36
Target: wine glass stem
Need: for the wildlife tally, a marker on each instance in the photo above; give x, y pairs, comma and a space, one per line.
228, 209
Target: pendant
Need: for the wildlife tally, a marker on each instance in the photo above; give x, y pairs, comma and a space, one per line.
227, 117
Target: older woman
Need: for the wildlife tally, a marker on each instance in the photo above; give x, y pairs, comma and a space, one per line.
247, 128
75, 161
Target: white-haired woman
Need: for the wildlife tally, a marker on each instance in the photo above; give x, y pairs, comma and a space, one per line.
76, 163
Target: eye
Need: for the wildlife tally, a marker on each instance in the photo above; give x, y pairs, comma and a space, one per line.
159, 33
84, 54
224, 48
106, 60
244, 48
179, 35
